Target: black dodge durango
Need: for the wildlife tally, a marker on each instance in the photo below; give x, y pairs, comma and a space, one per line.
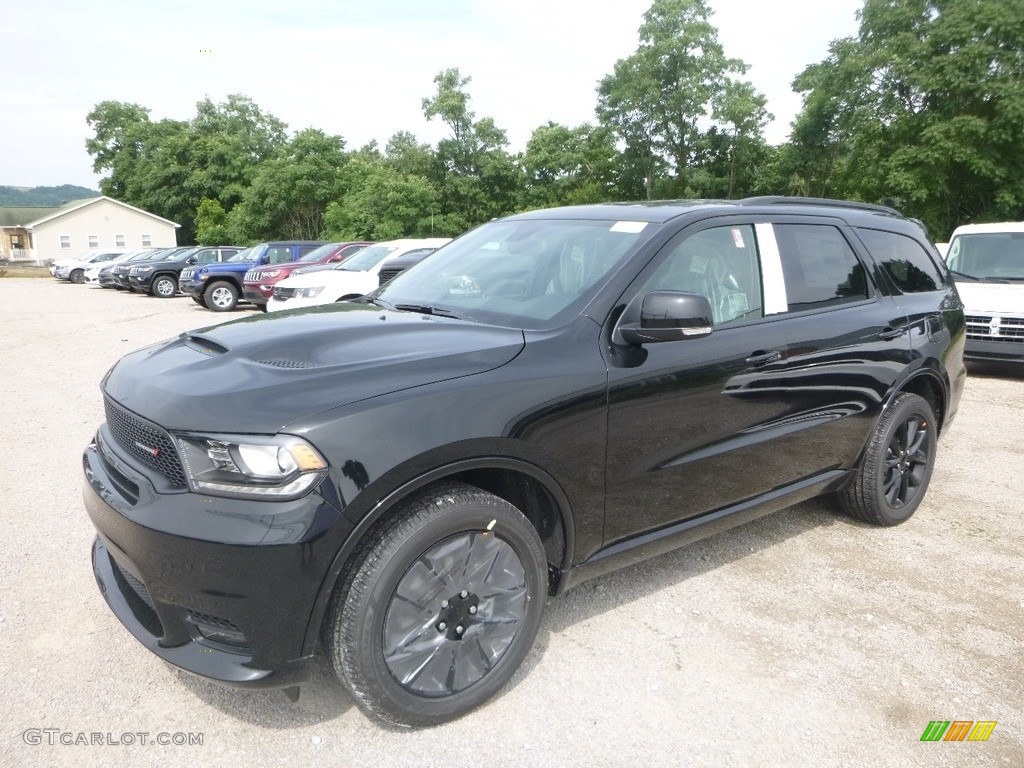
402, 480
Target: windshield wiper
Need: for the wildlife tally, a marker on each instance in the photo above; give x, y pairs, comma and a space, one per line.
991, 279
964, 274
425, 309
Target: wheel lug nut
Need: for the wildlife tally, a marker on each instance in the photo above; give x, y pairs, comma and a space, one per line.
444, 603
472, 609
442, 626
463, 594
459, 630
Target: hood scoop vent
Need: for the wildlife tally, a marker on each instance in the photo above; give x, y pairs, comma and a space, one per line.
204, 345
289, 363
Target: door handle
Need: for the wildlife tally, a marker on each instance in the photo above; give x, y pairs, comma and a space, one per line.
892, 333
763, 358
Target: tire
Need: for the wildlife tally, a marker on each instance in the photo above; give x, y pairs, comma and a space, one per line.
897, 465
163, 286
424, 662
221, 296
200, 301
77, 276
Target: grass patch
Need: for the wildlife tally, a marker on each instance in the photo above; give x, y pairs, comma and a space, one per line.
27, 270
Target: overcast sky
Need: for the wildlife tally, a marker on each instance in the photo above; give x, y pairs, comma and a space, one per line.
355, 69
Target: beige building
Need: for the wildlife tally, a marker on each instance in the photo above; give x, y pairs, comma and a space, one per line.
44, 234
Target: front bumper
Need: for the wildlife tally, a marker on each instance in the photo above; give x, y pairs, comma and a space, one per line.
221, 588
257, 294
140, 282
1002, 351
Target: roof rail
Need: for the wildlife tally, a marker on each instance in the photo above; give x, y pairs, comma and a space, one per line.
819, 201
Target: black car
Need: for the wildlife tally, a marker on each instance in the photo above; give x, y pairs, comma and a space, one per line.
116, 275
395, 266
405, 478
160, 278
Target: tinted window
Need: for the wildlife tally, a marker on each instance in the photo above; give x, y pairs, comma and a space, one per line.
819, 267
903, 259
721, 264
304, 249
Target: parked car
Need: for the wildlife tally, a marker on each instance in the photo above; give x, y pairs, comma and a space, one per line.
92, 274
402, 263
116, 275
258, 283
73, 270
987, 261
410, 475
161, 278
353, 277
220, 287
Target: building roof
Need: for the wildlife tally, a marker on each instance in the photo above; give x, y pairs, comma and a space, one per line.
76, 205
19, 216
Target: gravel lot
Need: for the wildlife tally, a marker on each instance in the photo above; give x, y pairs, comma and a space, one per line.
801, 639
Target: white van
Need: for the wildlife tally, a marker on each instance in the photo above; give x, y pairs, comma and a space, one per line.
987, 262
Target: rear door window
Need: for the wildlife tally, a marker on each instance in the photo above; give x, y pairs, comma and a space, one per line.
819, 267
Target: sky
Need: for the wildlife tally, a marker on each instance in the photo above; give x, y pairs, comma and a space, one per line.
359, 70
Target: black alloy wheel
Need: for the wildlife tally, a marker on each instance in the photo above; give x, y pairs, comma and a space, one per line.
897, 466
440, 607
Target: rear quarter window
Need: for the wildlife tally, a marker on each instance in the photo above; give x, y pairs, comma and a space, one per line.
903, 259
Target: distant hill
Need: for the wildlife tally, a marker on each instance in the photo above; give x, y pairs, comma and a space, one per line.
51, 196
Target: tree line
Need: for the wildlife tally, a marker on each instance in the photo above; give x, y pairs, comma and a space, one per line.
922, 109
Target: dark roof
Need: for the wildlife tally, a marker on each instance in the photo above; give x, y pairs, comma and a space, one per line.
19, 216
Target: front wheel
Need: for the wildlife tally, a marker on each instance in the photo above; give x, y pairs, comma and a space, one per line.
897, 465
164, 286
439, 608
77, 277
221, 296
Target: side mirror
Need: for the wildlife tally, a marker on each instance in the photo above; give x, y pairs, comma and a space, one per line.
664, 316
191, 260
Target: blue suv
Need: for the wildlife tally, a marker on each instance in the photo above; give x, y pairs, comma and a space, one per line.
219, 286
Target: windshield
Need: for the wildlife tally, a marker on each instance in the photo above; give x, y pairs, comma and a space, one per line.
249, 254
366, 259
157, 256
525, 274
996, 256
320, 253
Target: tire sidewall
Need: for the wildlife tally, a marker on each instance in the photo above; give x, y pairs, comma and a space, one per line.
220, 284
405, 707
159, 280
907, 406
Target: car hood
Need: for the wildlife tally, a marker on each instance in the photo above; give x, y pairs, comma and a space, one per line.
330, 277
305, 269
992, 298
261, 373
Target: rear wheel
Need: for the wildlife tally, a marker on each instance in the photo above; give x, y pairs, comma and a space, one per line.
439, 608
897, 465
164, 286
221, 296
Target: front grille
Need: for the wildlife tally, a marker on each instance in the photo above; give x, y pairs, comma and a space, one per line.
214, 622
143, 608
145, 441
995, 328
186, 274
251, 276
387, 274
282, 294
137, 586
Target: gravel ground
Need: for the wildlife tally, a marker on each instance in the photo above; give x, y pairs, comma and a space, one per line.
800, 639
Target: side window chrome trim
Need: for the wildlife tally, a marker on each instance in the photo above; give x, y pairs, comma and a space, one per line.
772, 278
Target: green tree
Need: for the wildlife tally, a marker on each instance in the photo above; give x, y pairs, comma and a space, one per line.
925, 106
567, 166
474, 173
289, 195
120, 131
658, 99
382, 204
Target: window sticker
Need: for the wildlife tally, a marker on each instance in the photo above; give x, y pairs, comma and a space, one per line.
737, 237
629, 226
699, 263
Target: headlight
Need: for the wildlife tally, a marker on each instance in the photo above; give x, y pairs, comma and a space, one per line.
250, 467
308, 293
144, 270
268, 275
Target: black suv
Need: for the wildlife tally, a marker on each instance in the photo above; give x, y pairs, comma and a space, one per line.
406, 477
161, 278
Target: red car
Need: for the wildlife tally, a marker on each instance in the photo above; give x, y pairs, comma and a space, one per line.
259, 282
